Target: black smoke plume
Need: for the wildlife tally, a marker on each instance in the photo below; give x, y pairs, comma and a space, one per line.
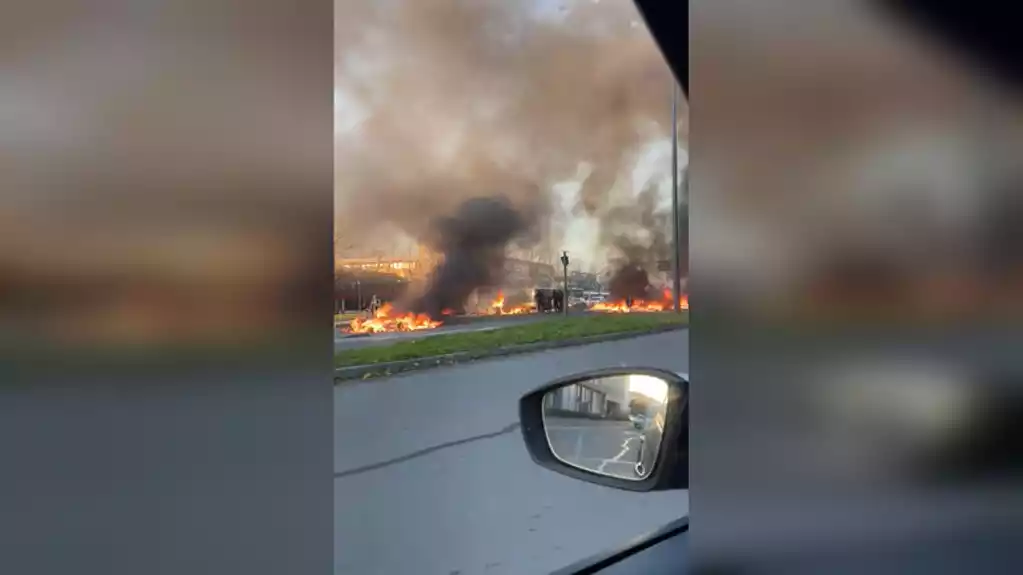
631, 281
640, 234
473, 243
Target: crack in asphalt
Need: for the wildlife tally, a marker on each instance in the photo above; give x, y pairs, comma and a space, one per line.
357, 470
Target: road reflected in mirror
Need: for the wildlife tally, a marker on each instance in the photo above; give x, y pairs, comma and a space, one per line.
610, 425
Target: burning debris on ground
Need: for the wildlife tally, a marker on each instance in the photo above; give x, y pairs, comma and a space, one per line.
632, 291
387, 319
503, 306
664, 303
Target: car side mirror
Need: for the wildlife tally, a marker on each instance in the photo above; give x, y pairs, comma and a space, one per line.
626, 428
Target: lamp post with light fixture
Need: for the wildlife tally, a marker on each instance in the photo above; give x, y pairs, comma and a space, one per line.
564, 297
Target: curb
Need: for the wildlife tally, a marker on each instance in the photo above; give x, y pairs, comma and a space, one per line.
359, 372
353, 335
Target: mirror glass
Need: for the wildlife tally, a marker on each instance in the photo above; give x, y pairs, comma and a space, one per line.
611, 425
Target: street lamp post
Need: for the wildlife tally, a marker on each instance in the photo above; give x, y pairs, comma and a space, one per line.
564, 266
677, 261
358, 291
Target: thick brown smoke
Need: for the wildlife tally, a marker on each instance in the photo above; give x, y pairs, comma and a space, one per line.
463, 99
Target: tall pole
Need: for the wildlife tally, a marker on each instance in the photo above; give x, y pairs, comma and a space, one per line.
677, 261
564, 296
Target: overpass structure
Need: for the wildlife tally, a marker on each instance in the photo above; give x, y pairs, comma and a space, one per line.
401, 267
517, 272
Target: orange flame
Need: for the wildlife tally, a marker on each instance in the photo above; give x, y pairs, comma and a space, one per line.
611, 306
639, 305
497, 306
498, 302
386, 320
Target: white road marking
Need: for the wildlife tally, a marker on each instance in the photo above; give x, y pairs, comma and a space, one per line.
617, 458
586, 427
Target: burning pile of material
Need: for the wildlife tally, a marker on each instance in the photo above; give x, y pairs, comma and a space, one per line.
631, 291
498, 307
388, 319
641, 305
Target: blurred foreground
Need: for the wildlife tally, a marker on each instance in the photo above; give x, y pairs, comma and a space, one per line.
856, 266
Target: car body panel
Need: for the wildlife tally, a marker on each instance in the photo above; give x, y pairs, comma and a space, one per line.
662, 551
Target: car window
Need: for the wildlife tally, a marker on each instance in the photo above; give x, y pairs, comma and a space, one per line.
503, 178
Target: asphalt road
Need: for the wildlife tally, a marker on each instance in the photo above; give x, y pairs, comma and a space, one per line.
432, 477
607, 446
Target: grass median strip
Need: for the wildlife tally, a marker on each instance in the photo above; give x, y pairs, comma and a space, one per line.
481, 342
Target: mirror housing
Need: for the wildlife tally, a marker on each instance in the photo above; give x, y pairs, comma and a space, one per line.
671, 468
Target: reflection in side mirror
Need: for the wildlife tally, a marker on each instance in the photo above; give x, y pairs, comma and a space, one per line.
611, 425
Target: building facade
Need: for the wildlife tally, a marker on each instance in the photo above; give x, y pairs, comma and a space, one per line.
524, 273
607, 397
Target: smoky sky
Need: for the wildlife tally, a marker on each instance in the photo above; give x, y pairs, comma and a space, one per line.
451, 100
